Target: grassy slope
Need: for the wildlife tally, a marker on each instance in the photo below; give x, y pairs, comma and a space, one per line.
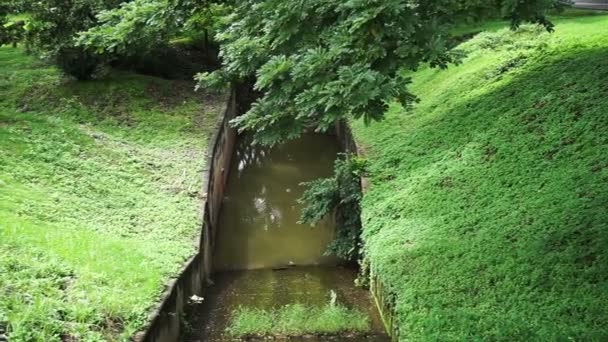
487, 215
99, 202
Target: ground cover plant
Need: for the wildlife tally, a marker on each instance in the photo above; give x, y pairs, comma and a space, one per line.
99, 197
486, 216
297, 320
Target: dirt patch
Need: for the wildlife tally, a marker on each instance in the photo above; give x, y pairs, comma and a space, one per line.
169, 95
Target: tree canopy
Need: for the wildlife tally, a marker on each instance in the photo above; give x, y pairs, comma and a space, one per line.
133, 26
319, 61
314, 62
52, 26
141, 25
10, 30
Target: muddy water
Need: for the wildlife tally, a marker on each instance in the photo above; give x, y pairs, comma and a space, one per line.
264, 258
258, 223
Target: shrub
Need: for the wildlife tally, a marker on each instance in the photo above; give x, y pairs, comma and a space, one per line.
341, 194
52, 29
77, 62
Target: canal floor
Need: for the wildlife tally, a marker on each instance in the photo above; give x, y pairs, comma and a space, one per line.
267, 289
264, 257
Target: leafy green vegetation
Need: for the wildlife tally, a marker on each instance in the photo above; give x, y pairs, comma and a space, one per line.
82, 37
486, 216
99, 197
143, 25
339, 194
297, 320
317, 62
51, 28
10, 26
314, 62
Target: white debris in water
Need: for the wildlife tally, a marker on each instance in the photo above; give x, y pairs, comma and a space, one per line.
196, 299
333, 298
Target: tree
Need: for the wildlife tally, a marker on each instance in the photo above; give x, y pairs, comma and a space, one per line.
140, 26
132, 27
52, 29
10, 31
314, 61
4, 34
320, 61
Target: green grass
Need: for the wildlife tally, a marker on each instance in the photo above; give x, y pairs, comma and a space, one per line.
99, 197
19, 17
487, 213
297, 320
497, 24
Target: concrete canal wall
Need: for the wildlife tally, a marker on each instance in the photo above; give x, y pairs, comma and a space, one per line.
166, 321
382, 296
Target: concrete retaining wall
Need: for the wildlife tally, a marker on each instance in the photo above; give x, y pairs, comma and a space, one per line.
382, 296
167, 320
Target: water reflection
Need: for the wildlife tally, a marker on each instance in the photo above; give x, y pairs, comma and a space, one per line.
258, 229
258, 224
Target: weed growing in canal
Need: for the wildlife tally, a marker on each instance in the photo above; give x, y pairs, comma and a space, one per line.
340, 193
298, 319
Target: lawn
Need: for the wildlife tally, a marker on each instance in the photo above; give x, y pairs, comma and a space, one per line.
99, 197
487, 214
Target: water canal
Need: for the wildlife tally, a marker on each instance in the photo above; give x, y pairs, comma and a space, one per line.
264, 258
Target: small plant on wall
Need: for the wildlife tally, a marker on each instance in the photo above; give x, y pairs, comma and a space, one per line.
339, 194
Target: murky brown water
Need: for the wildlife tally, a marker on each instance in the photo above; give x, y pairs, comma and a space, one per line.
259, 233
258, 223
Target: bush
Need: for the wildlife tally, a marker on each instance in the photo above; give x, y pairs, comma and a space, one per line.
172, 61
52, 27
341, 194
77, 62
10, 30
526, 37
